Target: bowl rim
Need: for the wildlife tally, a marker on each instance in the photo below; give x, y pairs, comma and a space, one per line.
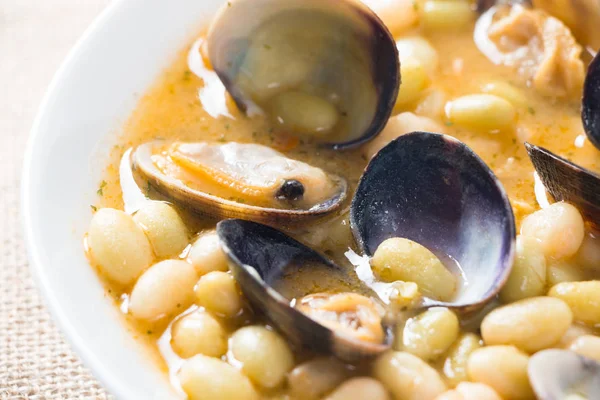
104, 375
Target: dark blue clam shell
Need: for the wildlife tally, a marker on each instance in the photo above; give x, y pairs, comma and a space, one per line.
432, 189
357, 38
590, 103
567, 181
258, 257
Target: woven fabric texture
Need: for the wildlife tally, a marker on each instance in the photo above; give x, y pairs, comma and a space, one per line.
35, 361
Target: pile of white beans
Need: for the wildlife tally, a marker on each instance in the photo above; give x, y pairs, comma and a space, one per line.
548, 302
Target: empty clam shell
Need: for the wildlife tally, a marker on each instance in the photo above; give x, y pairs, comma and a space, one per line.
557, 374
247, 181
263, 260
337, 52
432, 189
567, 181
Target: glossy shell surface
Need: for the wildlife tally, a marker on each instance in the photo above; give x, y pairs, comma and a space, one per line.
432, 189
259, 255
341, 51
218, 207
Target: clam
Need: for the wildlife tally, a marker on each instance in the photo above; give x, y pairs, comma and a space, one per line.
306, 296
432, 189
327, 69
567, 181
235, 180
590, 102
559, 374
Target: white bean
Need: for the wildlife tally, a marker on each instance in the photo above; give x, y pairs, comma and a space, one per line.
265, 356
588, 346
563, 271
164, 227
528, 275
404, 296
418, 48
312, 379
432, 104
206, 254
399, 259
558, 227
397, 15
532, 324
360, 389
118, 245
446, 14
218, 293
455, 365
198, 333
504, 369
482, 112
470, 391
304, 113
398, 125
506, 91
430, 334
588, 255
574, 331
408, 377
163, 290
582, 297
208, 378
414, 81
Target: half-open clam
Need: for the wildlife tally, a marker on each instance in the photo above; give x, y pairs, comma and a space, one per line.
304, 295
331, 62
432, 189
235, 180
559, 374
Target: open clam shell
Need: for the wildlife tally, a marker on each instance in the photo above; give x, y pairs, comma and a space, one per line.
260, 257
557, 374
336, 50
567, 181
432, 189
212, 205
590, 102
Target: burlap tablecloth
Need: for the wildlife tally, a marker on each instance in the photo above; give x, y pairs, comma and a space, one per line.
35, 361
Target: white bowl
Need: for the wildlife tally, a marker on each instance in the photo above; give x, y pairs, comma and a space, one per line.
91, 96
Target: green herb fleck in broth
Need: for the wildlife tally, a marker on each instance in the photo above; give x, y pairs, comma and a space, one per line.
100, 190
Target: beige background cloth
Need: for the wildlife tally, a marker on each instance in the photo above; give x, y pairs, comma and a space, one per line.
35, 361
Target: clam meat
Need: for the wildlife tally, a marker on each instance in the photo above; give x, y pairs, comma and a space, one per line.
314, 302
239, 180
